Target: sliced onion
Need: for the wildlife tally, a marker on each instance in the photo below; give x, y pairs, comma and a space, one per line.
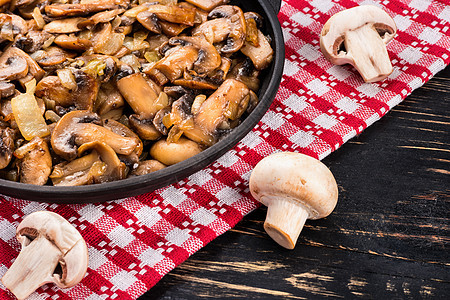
67, 78
37, 16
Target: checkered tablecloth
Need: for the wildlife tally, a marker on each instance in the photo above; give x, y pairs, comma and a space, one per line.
134, 242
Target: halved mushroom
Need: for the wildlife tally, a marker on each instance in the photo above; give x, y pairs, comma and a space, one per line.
35, 162
233, 21
208, 57
358, 36
261, 55
81, 9
147, 167
72, 42
6, 146
172, 29
78, 127
69, 25
139, 94
228, 102
172, 153
11, 25
123, 130
207, 5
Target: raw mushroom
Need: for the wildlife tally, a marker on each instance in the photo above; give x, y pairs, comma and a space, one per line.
358, 36
81, 126
294, 187
35, 162
52, 251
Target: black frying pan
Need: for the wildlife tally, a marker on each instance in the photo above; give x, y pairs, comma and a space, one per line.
270, 81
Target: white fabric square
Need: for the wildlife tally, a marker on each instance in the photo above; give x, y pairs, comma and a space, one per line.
273, 120
148, 216
339, 72
310, 52
318, 87
91, 213
120, 236
421, 5
325, 121
445, 14
178, 236
347, 105
251, 140
302, 138
430, 35
402, 22
203, 216
290, 68
123, 280
151, 257
410, 54
322, 5
173, 196
437, 66
7, 230
228, 159
369, 89
96, 258
296, 103
200, 178
228, 195
415, 83
302, 19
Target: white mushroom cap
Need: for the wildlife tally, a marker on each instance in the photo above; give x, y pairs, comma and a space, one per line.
357, 36
48, 240
294, 187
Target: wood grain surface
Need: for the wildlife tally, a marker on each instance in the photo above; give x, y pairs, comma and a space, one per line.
388, 237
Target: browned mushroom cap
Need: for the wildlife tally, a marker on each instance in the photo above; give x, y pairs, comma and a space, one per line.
72, 42
68, 25
139, 94
52, 57
123, 130
172, 153
236, 36
228, 102
33, 41
6, 89
80, 9
114, 168
144, 128
208, 57
78, 127
213, 31
261, 55
207, 5
147, 167
150, 21
12, 67
11, 25
6, 146
35, 162
176, 61
82, 97
108, 99
243, 70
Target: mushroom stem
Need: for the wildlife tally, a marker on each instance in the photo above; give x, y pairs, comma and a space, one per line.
30, 271
369, 52
284, 221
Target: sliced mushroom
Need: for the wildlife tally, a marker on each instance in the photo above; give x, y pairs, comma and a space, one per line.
35, 162
69, 25
52, 251
123, 130
78, 127
52, 57
147, 167
114, 168
358, 36
6, 146
214, 31
34, 70
6, 89
11, 25
172, 153
207, 5
208, 57
81, 9
12, 67
72, 42
33, 41
235, 37
101, 17
150, 21
228, 102
108, 99
245, 71
139, 95
144, 128
172, 29
261, 55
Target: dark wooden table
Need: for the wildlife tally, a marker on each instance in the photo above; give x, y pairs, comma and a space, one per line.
388, 237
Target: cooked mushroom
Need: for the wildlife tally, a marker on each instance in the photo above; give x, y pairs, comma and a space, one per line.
245, 71
228, 102
139, 94
64, 25
208, 57
6, 146
233, 21
294, 187
78, 127
35, 162
52, 57
358, 36
11, 25
150, 21
12, 67
108, 99
120, 129
207, 5
144, 128
33, 41
52, 251
101, 17
81, 9
147, 167
172, 153
34, 70
261, 55
71, 42
6, 89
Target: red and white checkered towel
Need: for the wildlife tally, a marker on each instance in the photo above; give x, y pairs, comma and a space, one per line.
134, 242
